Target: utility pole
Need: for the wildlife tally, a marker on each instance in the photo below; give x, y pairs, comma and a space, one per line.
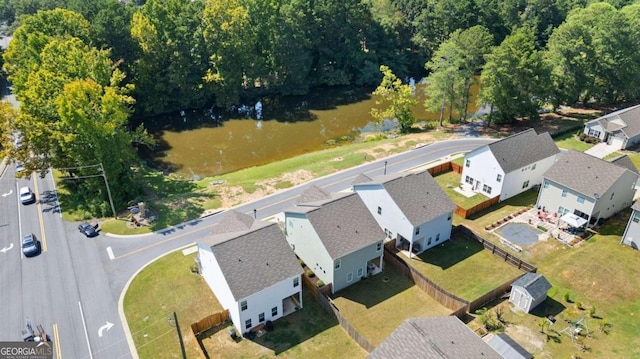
385, 168
104, 175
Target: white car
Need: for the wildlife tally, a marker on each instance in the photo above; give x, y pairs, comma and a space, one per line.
26, 196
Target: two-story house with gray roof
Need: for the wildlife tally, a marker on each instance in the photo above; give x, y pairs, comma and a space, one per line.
336, 237
251, 270
587, 186
509, 166
410, 207
631, 236
619, 129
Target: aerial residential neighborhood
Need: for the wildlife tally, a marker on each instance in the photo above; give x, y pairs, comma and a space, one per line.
326, 179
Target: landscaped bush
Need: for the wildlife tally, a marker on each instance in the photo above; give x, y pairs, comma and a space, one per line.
582, 136
542, 228
320, 283
301, 262
310, 273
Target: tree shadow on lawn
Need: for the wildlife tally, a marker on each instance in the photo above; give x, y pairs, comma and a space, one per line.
450, 252
297, 327
378, 288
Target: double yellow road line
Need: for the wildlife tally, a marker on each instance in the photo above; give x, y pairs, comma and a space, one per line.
56, 341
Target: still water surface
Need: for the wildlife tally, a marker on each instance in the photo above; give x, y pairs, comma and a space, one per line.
212, 142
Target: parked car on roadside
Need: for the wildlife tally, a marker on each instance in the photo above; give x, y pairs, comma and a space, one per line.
88, 230
30, 245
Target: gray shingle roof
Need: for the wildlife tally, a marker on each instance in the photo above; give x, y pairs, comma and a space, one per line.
255, 259
523, 149
344, 225
234, 221
636, 205
362, 178
584, 173
417, 195
433, 338
312, 194
624, 161
507, 347
535, 284
630, 116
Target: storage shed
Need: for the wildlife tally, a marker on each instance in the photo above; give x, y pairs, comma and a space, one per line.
529, 291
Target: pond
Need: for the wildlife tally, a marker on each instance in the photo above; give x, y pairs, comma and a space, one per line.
212, 141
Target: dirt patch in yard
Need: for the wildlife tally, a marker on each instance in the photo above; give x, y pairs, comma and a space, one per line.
234, 195
526, 337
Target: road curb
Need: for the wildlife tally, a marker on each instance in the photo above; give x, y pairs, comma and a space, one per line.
207, 213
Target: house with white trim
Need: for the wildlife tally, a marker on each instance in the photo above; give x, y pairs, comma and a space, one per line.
631, 236
336, 237
509, 166
619, 129
587, 186
410, 207
251, 270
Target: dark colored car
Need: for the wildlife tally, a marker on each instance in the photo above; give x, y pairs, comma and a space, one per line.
30, 245
87, 229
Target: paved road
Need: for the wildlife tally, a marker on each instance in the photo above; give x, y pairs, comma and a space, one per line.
74, 287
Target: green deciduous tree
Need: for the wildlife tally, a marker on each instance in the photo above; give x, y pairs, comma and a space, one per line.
514, 78
399, 98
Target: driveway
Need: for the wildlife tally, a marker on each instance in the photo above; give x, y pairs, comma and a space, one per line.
601, 150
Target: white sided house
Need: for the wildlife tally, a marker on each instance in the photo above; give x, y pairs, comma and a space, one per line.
631, 236
587, 186
410, 207
251, 270
509, 166
619, 129
335, 236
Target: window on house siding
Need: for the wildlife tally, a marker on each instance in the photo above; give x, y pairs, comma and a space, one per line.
429, 241
274, 311
562, 211
580, 199
564, 193
349, 277
296, 282
525, 184
499, 177
545, 184
379, 210
360, 272
336, 264
417, 230
636, 216
534, 166
379, 246
261, 317
611, 198
247, 324
450, 215
468, 163
486, 189
243, 305
437, 237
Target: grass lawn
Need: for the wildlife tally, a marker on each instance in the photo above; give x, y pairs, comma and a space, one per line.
165, 286
464, 268
600, 273
376, 308
450, 180
309, 333
571, 141
478, 221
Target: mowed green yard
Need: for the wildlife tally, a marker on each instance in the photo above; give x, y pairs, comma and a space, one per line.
464, 268
376, 306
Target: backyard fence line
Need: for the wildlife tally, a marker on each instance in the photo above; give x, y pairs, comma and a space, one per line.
330, 308
439, 294
209, 322
466, 212
495, 250
443, 167
492, 294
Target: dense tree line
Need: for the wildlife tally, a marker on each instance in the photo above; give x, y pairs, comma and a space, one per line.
82, 68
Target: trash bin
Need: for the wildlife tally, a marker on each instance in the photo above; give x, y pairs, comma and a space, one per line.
233, 334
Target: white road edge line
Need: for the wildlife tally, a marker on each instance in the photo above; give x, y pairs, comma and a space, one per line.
110, 253
86, 334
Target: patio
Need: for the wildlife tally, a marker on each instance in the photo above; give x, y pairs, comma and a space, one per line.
549, 226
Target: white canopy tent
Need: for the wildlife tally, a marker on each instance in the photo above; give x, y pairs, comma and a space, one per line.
573, 220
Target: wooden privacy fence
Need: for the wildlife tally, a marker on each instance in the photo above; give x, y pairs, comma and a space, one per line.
443, 167
209, 322
466, 212
441, 295
495, 250
328, 305
492, 294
